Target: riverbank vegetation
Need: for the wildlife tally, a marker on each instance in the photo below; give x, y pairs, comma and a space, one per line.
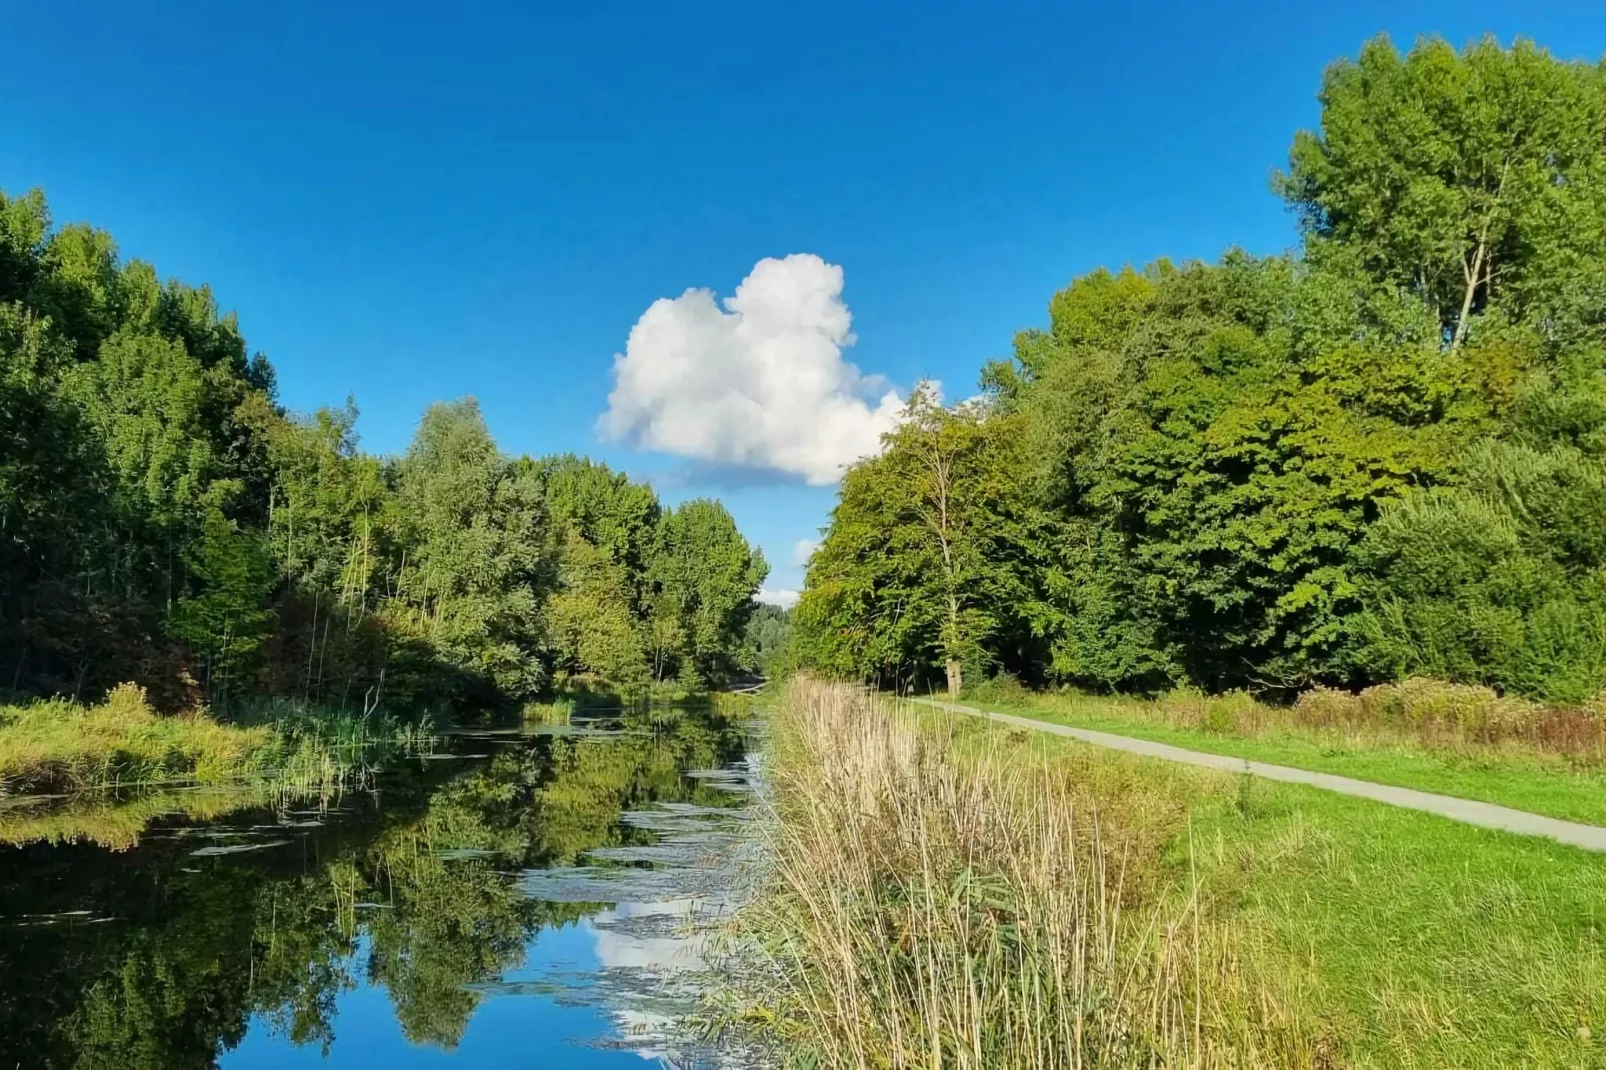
280, 747
947, 893
1453, 739
927, 911
1380, 456
59, 745
168, 522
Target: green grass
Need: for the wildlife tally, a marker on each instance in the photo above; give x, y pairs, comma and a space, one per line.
549, 713
59, 745
1508, 774
1260, 924
56, 745
1388, 937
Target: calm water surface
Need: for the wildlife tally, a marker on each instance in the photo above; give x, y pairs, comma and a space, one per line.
533, 899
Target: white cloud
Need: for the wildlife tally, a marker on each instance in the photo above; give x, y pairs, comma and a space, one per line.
784, 599
804, 550
760, 383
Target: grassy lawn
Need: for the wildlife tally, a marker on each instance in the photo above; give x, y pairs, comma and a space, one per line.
1507, 774
1380, 937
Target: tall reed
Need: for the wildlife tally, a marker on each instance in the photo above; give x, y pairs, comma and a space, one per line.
932, 908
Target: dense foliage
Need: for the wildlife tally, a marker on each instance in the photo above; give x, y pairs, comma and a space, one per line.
162, 519
1382, 456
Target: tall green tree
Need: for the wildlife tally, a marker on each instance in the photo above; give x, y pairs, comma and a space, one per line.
927, 564
705, 576
479, 562
1475, 180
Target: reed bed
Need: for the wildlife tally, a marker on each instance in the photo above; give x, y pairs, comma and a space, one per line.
935, 906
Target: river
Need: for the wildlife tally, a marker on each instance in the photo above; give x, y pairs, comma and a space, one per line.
522, 897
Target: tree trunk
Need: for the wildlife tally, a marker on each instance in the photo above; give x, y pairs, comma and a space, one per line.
1474, 276
956, 677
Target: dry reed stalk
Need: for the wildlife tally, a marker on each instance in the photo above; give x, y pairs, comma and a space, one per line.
931, 908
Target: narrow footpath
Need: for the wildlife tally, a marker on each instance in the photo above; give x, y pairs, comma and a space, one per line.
1486, 815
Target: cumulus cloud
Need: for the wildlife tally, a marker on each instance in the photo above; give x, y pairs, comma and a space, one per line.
784, 599
759, 383
804, 550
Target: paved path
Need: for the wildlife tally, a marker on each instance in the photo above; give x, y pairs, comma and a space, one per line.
1589, 837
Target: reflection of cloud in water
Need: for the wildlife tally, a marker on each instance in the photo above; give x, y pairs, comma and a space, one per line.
651, 946
621, 949
650, 956
625, 946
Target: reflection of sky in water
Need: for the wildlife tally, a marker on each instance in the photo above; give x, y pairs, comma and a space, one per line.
393, 915
606, 992
659, 947
505, 1031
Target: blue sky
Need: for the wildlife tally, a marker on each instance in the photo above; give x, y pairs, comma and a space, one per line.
408, 204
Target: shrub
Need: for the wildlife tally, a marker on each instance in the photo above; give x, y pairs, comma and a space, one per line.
1002, 688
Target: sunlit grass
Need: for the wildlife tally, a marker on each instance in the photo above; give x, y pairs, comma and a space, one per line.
943, 903
948, 892
555, 712
61, 746
1434, 737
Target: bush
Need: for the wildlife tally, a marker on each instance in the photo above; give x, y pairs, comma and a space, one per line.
1501, 581
1002, 688
1440, 712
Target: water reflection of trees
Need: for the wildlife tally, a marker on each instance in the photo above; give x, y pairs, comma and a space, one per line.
419, 895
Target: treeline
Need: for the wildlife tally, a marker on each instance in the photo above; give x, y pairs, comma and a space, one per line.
164, 520
1380, 456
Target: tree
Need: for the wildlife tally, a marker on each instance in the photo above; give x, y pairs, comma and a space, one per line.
705, 576
1502, 579
597, 638
224, 616
480, 563
925, 563
1475, 180
769, 633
